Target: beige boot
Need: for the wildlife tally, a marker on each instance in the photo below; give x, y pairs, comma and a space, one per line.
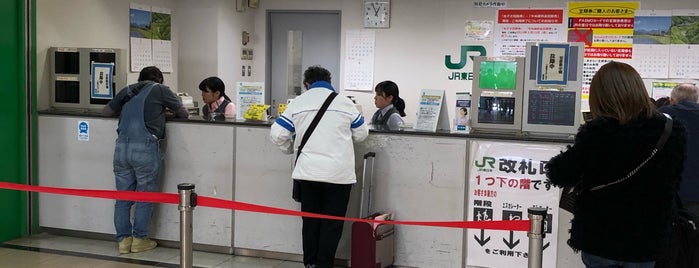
142, 244
125, 245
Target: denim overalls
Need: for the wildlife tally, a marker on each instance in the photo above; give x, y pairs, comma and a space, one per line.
137, 163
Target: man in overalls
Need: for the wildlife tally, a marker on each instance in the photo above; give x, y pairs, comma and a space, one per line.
137, 156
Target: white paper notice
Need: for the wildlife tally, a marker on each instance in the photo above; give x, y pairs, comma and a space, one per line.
555, 61
662, 89
478, 30
505, 180
359, 60
249, 93
516, 27
429, 109
102, 81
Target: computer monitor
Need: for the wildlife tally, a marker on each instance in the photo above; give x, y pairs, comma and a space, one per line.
498, 75
496, 110
551, 107
497, 92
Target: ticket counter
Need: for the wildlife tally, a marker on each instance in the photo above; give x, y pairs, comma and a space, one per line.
420, 176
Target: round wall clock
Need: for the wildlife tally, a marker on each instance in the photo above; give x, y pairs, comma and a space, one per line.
377, 14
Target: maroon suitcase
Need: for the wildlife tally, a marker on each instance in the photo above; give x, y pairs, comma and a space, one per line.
370, 247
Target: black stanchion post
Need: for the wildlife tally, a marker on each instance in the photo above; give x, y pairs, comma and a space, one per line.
188, 200
536, 236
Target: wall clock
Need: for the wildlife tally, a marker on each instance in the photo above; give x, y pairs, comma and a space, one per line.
377, 14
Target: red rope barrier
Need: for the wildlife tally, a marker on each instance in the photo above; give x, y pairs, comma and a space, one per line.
169, 198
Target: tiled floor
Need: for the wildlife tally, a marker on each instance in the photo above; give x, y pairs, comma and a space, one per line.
47, 250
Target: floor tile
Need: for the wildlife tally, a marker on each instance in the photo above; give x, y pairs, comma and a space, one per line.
22, 258
70, 262
104, 254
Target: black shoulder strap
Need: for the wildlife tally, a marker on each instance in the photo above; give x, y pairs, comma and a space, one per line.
658, 146
666, 132
314, 123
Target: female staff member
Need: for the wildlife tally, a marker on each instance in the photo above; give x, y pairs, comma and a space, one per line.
391, 106
217, 105
627, 222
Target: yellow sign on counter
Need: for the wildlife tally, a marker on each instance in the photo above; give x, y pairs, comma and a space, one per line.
257, 111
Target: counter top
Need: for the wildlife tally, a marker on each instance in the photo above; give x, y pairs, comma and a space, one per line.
191, 119
439, 133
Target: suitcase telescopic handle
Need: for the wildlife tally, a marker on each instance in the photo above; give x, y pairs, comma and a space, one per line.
367, 175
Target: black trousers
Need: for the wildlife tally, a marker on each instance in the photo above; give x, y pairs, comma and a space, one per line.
321, 236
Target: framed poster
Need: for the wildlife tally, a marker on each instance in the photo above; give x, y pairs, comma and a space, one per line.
102, 79
552, 64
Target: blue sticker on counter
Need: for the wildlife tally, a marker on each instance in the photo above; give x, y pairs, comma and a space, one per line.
83, 131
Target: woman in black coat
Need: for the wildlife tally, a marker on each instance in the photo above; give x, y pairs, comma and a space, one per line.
624, 224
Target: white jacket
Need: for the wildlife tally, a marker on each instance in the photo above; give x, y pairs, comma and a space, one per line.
328, 155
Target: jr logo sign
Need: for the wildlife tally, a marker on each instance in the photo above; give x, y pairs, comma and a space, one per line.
466, 51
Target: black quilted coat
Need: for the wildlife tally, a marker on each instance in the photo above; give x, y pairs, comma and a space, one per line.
629, 221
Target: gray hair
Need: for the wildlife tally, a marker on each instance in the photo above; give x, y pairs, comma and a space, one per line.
685, 91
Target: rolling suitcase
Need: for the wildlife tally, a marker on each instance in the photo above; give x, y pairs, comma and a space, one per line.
371, 244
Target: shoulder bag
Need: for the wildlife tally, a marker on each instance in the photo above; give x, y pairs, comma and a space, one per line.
296, 191
683, 251
571, 194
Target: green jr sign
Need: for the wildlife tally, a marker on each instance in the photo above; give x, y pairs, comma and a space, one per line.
470, 51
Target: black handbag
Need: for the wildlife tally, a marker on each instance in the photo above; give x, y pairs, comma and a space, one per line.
683, 251
568, 197
570, 194
296, 190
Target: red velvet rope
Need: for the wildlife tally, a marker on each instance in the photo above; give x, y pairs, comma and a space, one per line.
169, 198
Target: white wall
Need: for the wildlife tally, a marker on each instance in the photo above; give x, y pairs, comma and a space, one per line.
89, 23
411, 52
198, 51
207, 35
212, 43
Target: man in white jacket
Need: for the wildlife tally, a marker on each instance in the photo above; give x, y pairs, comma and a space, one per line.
325, 166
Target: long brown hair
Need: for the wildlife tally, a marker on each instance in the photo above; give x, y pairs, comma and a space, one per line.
617, 91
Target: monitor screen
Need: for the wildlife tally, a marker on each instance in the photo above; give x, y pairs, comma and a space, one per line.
67, 92
547, 107
67, 62
498, 75
496, 110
